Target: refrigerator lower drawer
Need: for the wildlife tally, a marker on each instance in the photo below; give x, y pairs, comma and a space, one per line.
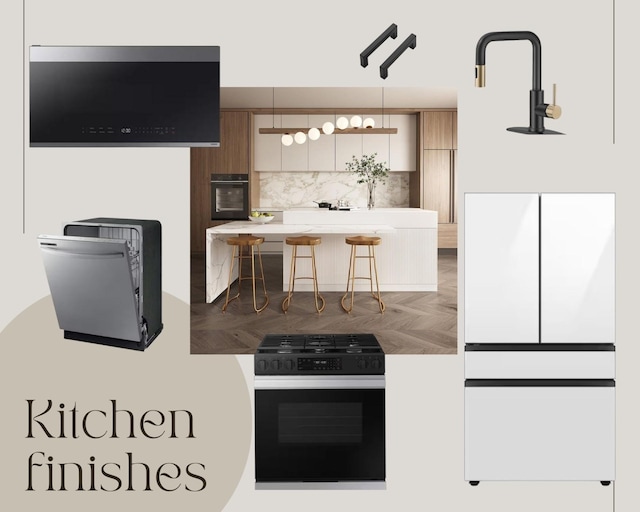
530, 431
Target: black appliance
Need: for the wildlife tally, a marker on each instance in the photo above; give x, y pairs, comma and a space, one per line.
106, 281
319, 412
124, 96
229, 196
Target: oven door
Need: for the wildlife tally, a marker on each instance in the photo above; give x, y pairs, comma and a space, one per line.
229, 200
328, 429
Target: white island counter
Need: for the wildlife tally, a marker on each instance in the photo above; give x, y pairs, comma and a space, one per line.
407, 257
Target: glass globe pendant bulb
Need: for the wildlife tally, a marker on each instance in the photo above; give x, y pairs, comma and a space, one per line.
342, 123
368, 122
313, 134
356, 122
286, 140
327, 128
300, 137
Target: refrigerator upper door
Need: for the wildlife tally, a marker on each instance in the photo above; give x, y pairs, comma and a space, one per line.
91, 285
501, 268
578, 268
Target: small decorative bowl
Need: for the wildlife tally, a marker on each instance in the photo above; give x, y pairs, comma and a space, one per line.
262, 219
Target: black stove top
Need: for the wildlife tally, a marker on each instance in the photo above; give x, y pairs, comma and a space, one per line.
291, 354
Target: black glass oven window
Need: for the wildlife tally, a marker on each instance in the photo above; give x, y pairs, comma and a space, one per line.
229, 198
320, 434
320, 423
127, 102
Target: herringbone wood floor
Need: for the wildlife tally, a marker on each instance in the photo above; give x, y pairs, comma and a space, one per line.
413, 323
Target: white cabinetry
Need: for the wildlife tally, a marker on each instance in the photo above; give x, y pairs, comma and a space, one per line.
539, 268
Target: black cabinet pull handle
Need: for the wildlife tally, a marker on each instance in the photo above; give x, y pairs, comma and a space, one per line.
391, 32
409, 42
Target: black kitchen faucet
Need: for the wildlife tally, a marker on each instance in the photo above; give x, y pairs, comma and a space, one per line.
538, 109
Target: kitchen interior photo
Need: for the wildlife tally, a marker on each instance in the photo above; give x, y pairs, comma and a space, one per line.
282, 175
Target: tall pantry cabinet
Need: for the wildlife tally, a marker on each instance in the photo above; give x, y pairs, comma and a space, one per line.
440, 145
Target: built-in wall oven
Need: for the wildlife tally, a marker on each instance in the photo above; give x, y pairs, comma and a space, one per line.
320, 412
229, 196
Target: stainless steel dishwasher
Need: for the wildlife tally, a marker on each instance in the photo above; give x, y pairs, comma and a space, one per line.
106, 281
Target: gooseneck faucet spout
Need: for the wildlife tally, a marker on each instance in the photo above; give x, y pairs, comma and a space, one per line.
538, 110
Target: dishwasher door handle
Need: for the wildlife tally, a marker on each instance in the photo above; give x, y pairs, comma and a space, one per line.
96, 256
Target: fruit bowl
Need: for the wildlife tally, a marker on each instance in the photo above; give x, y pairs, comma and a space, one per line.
262, 219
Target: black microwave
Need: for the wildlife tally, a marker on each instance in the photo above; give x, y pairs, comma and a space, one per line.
124, 96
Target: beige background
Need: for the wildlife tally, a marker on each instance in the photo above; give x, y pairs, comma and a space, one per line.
285, 44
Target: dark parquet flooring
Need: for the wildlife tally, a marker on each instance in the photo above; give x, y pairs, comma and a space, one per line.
413, 323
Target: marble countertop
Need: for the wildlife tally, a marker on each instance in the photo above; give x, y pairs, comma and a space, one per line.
249, 227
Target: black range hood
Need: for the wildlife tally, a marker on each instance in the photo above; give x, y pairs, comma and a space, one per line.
94, 96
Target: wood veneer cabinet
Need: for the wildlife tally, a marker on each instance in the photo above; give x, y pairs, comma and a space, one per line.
440, 143
232, 157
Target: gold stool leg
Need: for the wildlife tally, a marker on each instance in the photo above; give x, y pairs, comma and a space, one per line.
316, 293
350, 280
226, 302
253, 276
375, 268
292, 273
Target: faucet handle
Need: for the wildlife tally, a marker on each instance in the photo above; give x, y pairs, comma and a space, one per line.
552, 110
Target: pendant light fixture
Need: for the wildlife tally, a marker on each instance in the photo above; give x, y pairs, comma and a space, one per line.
327, 128
356, 122
342, 123
341, 126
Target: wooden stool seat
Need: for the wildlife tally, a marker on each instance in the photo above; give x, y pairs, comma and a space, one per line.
303, 240
245, 240
363, 240
311, 242
369, 242
247, 245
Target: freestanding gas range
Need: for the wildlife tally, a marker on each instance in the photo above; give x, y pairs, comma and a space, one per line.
320, 412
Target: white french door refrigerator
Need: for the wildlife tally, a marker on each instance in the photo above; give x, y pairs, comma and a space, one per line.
539, 312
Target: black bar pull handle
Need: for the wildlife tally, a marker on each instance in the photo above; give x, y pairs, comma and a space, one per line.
409, 42
391, 32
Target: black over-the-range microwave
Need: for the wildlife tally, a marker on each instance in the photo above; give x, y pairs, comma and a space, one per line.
124, 96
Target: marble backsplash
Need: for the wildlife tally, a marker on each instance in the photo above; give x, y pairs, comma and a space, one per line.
301, 189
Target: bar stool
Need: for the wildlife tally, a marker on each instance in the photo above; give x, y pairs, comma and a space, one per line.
246, 245
370, 242
311, 242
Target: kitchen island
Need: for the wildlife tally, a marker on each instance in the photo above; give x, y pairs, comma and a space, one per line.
407, 258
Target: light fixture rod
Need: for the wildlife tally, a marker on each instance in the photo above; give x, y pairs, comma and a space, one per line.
346, 131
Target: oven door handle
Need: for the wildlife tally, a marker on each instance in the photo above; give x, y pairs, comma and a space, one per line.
240, 182
319, 382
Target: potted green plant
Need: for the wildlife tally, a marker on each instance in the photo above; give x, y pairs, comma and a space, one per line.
368, 171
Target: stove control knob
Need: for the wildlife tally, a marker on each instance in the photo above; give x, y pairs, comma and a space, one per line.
288, 364
376, 364
362, 364
262, 365
276, 364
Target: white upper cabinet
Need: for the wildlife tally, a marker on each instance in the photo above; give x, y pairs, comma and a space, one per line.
332, 152
402, 152
322, 152
501, 268
267, 149
578, 268
539, 268
296, 156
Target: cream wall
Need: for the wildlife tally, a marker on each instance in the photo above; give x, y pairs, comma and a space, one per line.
279, 43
